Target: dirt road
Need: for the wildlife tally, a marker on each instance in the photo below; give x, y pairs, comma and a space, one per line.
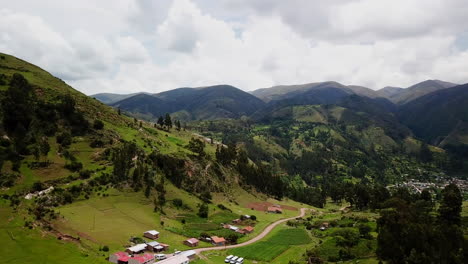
255, 239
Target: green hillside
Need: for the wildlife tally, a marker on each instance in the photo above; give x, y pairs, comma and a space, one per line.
113, 176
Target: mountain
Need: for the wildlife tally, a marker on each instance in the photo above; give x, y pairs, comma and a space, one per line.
145, 105
420, 89
213, 102
110, 98
440, 117
281, 92
389, 91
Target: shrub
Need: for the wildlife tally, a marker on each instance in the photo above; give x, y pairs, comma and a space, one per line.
222, 207
98, 124
177, 203
105, 248
96, 143
74, 166
85, 174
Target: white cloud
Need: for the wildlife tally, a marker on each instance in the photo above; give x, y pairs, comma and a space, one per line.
128, 45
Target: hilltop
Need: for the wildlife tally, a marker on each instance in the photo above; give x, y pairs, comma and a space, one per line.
214, 102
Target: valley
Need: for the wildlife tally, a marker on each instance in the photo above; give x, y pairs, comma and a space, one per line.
309, 173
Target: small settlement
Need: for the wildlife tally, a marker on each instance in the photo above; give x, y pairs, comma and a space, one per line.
143, 253
241, 230
152, 251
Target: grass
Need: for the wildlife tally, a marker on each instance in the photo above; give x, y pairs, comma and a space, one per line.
290, 237
22, 245
263, 251
275, 244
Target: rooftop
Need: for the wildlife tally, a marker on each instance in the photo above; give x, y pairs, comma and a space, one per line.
143, 258
152, 232
178, 259
218, 239
188, 253
192, 240
153, 243
137, 248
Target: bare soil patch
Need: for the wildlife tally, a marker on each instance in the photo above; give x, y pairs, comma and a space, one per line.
263, 206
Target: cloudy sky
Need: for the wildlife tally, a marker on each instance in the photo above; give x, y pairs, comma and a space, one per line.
127, 46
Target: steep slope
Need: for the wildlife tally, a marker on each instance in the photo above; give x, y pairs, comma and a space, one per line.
418, 90
120, 174
282, 92
440, 117
213, 102
110, 98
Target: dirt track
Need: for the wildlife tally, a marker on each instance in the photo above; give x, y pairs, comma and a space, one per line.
265, 232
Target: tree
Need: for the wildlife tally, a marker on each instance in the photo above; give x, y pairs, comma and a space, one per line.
105, 248
168, 121
346, 238
160, 121
313, 257
197, 146
203, 210
44, 146
232, 238
118, 111
451, 205
451, 241
64, 139
177, 122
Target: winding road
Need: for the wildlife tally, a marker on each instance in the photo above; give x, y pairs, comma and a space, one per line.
265, 232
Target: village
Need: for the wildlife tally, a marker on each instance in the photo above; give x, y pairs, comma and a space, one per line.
148, 252
440, 183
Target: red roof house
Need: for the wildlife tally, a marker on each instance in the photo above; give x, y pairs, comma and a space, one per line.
119, 257
218, 241
248, 229
142, 259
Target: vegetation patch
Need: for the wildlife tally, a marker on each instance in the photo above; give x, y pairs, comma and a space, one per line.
263, 251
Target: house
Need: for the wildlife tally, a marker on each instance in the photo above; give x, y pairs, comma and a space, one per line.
275, 210
151, 246
192, 242
136, 249
190, 254
218, 241
142, 259
178, 259
119, 257
324, 226
247, 230
236, 221
231, 227
151, 234
163, 247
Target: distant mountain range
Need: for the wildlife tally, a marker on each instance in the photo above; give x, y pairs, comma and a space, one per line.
213, 102
434, 110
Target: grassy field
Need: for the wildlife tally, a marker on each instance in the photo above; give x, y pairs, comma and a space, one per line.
273, 245
23, 245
